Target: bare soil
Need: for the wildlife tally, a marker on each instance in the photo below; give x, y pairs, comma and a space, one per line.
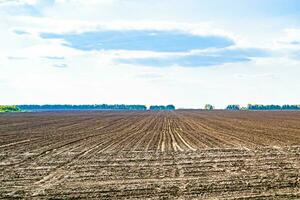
183, 154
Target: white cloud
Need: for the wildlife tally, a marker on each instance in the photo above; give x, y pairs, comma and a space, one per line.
18, 2
95, 76
36, 25
30, 44
293, 34
89, 2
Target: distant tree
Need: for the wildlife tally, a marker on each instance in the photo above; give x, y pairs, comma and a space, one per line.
233, 107
156, 107
208, 107
170, 107
291, 107
9, 109
161, 107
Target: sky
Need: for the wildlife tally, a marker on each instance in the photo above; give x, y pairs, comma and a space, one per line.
187, 53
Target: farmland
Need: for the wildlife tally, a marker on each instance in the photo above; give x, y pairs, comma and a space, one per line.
182, 154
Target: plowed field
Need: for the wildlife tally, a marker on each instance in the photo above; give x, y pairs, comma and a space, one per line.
184, 154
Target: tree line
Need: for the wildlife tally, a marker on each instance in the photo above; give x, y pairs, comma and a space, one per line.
83, 107
95, 107
263, 107
19, 108
256, 107
168, 107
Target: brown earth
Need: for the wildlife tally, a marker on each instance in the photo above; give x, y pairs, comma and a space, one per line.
184, 154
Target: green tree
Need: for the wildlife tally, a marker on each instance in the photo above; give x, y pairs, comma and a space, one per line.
233, 107
9, 109
209, 107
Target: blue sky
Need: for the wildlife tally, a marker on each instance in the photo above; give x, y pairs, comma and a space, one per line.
139, 40
188, 53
